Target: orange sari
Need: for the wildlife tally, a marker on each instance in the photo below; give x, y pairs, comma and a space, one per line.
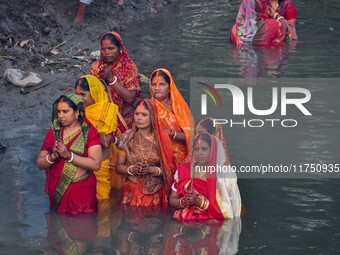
127, 75
179, 120
152, 191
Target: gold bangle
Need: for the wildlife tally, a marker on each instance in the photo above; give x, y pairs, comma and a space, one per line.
202, 203
275, 15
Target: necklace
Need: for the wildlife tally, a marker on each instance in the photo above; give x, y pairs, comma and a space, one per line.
143, 151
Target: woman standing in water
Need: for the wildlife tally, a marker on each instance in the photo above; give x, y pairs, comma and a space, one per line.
200, 194
264, 22
70, 153
173, 111
119, 73
151, 163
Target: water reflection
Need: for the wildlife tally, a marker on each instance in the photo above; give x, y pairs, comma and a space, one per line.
126, 230
263, 61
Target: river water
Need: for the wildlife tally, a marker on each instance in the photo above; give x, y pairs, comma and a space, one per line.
283, 215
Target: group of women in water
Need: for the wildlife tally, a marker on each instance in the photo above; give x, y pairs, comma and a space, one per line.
105, 137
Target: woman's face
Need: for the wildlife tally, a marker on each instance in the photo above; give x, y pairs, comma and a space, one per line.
202, 152
163, 90
142, 117
86, 96
66, 114
109, 51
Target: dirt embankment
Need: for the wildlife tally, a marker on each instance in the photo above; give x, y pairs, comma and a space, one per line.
40, 37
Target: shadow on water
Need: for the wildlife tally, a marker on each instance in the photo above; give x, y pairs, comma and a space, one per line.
283, 216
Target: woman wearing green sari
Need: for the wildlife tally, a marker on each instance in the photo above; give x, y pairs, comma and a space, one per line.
69, 155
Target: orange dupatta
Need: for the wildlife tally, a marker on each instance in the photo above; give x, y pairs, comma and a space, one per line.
180, 115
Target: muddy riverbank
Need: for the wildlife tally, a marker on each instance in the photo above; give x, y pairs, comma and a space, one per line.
42, 38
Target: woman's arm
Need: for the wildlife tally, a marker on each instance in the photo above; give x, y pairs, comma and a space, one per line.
42, 162
92, 162
176, 136
174, 200
127, 95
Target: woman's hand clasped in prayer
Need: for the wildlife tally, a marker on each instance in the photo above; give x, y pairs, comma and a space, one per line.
62, 150
141, 168
191, 199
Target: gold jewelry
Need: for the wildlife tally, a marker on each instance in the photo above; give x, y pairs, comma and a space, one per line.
202, 203
142, 148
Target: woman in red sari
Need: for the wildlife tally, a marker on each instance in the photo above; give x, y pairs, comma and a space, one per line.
119, 73
264, 22
174, 112
69, 155
151, 163
200, 194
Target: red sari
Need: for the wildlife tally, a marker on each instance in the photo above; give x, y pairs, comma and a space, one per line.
127, 75
253, 25
80, 195
224, 201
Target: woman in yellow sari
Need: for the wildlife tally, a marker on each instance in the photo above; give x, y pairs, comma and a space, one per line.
173, 112
103, 116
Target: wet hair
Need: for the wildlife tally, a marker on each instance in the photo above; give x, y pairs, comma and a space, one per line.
205, 137
68, 101
82, 83
208, 124
163, 74
112, 38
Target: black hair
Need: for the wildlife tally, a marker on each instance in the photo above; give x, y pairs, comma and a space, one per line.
82, 82
68, 101
208, 124
163, 74
145, 105
205, 137
112, 38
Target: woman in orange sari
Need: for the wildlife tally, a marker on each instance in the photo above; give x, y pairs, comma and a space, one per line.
151, 163
203, 194
119, 73
173, 111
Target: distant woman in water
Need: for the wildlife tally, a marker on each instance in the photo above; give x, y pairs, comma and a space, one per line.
264, 22
70, 153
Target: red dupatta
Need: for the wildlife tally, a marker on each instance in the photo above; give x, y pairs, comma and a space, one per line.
186, 184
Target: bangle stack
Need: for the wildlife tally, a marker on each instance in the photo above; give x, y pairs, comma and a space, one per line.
278, 19
275, 15
50, 162
72, 158
114, 81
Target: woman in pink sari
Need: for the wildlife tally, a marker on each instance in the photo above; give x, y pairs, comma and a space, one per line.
201, 194
264, 22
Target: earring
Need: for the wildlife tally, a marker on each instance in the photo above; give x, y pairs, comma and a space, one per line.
77, 117
121, 51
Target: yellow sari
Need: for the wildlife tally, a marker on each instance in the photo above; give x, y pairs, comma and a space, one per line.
103, 116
